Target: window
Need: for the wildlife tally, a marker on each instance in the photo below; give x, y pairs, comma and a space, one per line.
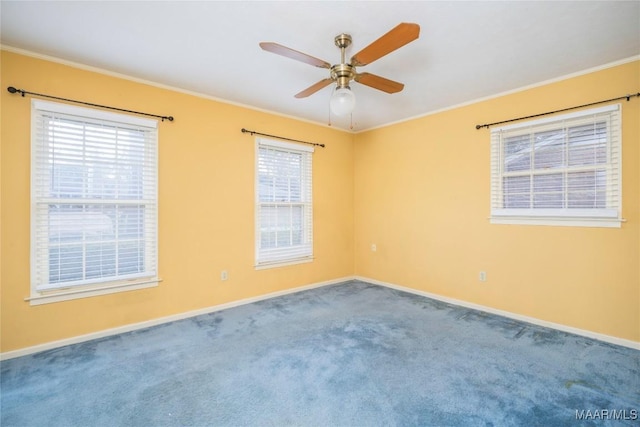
284, 210
559, 171
93, 202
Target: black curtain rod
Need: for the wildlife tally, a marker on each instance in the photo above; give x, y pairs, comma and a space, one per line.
280, 137
12, 89
627, 97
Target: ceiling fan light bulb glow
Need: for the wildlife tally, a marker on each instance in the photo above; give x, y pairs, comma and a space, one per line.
342, 102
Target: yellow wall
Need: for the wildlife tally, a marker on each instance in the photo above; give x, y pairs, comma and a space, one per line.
419, 190
206, 204
422, 196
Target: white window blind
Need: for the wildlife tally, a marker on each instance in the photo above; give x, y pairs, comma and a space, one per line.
564, 170
284, 209
94, 198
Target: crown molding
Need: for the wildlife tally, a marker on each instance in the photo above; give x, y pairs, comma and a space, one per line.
117, 75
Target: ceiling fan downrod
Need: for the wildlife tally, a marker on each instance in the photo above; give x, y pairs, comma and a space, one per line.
343, 73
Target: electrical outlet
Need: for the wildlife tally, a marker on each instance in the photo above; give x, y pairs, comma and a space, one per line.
224, 275
374, 247
482, 276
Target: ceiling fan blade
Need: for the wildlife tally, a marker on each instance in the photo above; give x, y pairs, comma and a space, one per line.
294, 54
394, 39
379, 83
314, 88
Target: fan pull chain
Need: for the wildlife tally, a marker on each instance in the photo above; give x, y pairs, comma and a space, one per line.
329, 105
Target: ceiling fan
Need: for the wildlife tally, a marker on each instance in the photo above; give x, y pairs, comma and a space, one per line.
343, 99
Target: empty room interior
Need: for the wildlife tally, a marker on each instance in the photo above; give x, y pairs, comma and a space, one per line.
191, 237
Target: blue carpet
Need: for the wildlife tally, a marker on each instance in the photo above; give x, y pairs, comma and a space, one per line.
352, 354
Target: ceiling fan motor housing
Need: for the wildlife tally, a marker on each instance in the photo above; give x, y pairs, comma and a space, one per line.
343, 74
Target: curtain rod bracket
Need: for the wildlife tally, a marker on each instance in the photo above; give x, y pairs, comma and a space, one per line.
12, 89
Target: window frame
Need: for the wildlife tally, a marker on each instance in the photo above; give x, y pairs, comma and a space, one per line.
610, 216
42, 290
293, 254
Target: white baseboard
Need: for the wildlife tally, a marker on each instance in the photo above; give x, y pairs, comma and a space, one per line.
589, 334
141, 325
148, 323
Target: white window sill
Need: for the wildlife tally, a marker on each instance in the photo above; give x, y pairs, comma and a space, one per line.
283, 263
47, 297
558, 221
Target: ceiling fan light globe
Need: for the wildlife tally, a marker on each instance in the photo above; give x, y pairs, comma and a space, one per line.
342, 102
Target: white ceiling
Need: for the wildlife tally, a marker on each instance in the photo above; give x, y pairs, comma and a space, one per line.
466, 50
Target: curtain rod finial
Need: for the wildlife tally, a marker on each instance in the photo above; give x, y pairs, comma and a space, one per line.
12, 89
